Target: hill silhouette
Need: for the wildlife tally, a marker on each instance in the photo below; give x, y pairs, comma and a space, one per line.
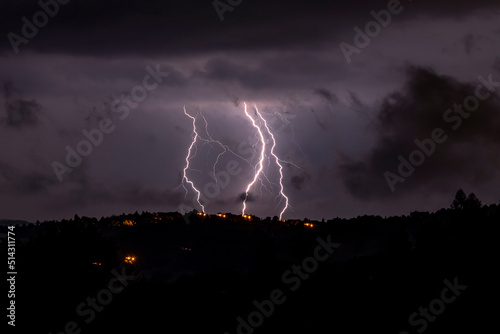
205, 272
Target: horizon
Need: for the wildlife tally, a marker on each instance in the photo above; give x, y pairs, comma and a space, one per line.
325, 219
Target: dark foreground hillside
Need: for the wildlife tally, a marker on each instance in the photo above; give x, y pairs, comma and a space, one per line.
427, 272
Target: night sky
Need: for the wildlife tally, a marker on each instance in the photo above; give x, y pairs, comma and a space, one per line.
340, 118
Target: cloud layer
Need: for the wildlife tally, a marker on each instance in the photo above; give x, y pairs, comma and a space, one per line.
339, 126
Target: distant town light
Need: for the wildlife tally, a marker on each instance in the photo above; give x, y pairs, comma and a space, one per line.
129, 259
128, 222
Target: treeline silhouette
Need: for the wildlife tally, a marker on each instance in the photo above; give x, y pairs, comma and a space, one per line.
200, 272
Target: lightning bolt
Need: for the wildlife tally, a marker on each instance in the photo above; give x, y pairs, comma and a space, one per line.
260, 124
259, 170
210, 139
224, 147
277, 160
188, 160
289, 125
261, 160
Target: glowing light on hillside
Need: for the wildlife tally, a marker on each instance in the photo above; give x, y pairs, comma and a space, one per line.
130, 259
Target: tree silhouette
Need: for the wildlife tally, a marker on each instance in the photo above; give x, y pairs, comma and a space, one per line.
459, 201
463, 201
472, 202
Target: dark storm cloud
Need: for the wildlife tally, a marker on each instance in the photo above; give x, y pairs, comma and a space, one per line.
324, 125
168, 27
273, 53
19, 112
96, 114
273, 72
235, 100
496, 66
470, 155
327, 95
470, 43
355, 100
19, 182
298, 181
130, 194
138, 195
153, 27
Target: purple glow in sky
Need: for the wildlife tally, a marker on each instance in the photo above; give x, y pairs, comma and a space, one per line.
339, 123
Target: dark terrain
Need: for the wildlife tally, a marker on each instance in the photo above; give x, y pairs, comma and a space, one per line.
199, 275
